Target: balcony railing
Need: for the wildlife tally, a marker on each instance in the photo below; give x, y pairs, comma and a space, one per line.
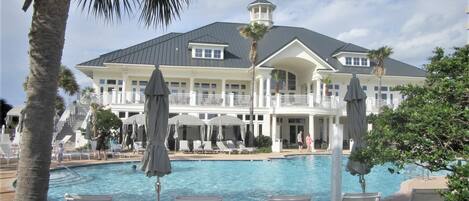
234, 100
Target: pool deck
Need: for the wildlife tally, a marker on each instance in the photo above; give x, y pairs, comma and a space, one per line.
8, 173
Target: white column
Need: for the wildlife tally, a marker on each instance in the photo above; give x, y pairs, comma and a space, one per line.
192, 94
223, 91
255, 99
336, 172
266, 126
267, 92
317, 91
324, 86
277, 100
308, 87
311, 130
256, 129
231, 99
114, 96
261, 92
276, 145
124, 89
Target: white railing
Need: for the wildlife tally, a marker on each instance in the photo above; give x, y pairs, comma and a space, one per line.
179, 99
241, 100
293, 100
210, 99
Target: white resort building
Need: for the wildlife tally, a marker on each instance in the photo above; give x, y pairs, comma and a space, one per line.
301, 77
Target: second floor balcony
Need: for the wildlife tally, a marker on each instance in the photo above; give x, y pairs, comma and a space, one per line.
236, 100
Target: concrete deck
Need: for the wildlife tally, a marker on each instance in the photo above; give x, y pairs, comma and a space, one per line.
8, 173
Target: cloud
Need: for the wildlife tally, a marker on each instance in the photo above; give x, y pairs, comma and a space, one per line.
353, 34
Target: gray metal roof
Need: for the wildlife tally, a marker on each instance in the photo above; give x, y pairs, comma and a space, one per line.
207, 39
172, 49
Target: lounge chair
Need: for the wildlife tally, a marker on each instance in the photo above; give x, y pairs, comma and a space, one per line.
222, 148
88, 197
138, 147
208, 147
361, 196
230, 144
184, 146
290, 198
116, 149
426, 195
6, 152
198, 198
5, 139
243, 147
197, 146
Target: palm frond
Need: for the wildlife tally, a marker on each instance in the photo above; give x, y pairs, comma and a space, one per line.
152, 12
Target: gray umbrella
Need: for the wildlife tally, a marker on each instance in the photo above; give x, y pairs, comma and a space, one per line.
155, 161
356, 127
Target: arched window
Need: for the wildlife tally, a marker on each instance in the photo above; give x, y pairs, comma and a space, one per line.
283, 81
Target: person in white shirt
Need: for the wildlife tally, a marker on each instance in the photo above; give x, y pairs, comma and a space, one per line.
299, 139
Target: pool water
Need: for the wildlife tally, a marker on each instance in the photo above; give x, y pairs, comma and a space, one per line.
233, 180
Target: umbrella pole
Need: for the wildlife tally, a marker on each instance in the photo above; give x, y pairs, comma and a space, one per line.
158, 188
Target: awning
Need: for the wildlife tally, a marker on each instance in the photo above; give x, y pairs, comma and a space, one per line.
185, 119
139, 118
16, 111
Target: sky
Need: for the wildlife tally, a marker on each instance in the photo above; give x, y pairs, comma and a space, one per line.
413, 28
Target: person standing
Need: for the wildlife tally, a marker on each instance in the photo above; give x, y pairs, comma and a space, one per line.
60, 153
101, 145
299, 139
309, 142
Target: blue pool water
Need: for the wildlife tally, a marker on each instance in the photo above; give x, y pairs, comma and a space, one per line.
233, 180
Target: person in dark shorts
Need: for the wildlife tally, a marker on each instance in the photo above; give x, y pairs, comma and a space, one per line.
101, 145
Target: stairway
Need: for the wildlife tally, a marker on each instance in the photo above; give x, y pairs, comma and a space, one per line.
70, 121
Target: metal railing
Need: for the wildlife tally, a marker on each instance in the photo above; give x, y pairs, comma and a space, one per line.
179, 99
209, 99
293, 100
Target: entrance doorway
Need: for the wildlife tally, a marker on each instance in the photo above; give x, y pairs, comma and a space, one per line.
295, 126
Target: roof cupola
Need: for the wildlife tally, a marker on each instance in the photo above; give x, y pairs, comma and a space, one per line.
261, 12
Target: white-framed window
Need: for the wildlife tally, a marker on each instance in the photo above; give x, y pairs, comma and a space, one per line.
198, 53
208, 53
356, 61
217, 54
348, 61
364, 62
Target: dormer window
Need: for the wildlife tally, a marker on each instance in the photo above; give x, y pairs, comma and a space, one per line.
198, 53
356, 61
364, 62
348, 61
208, 53
217, 54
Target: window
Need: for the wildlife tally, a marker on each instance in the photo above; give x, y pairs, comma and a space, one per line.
101, 81
111, 81
121, 114
260, 129
198, 53
356, 61
208, 53
364, 87
134, 82
285, 81
240, 116
217, 54
247, 117
132, 113
291, 81
260, 117
364, 62
210, 116
201, 115
348, 61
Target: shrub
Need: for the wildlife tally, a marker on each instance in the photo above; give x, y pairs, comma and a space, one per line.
264, 150
263, 142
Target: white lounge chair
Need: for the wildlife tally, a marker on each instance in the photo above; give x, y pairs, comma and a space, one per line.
230, 144
198, 198
198, 146
6, 152
361, 196
88, 197
5, 139
243, 147
116, 149
426, 195
184, 146
222, 148
290, 198
138, 147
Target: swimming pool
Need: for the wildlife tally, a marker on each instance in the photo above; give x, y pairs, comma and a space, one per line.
233, 180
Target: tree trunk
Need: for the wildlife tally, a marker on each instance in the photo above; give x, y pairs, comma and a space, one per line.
253, 56
46, 40
379, 94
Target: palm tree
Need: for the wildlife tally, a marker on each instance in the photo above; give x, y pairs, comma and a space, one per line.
66, 82
46, 42
254, 32
378, 56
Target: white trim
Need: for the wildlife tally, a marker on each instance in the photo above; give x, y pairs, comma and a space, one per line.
385, 76
207, 45
303, 46
343, 52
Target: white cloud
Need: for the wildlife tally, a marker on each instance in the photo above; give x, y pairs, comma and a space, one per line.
353, 34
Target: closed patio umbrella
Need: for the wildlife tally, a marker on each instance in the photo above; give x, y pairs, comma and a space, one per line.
134, 131
176, 134
357, 127
155, 161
